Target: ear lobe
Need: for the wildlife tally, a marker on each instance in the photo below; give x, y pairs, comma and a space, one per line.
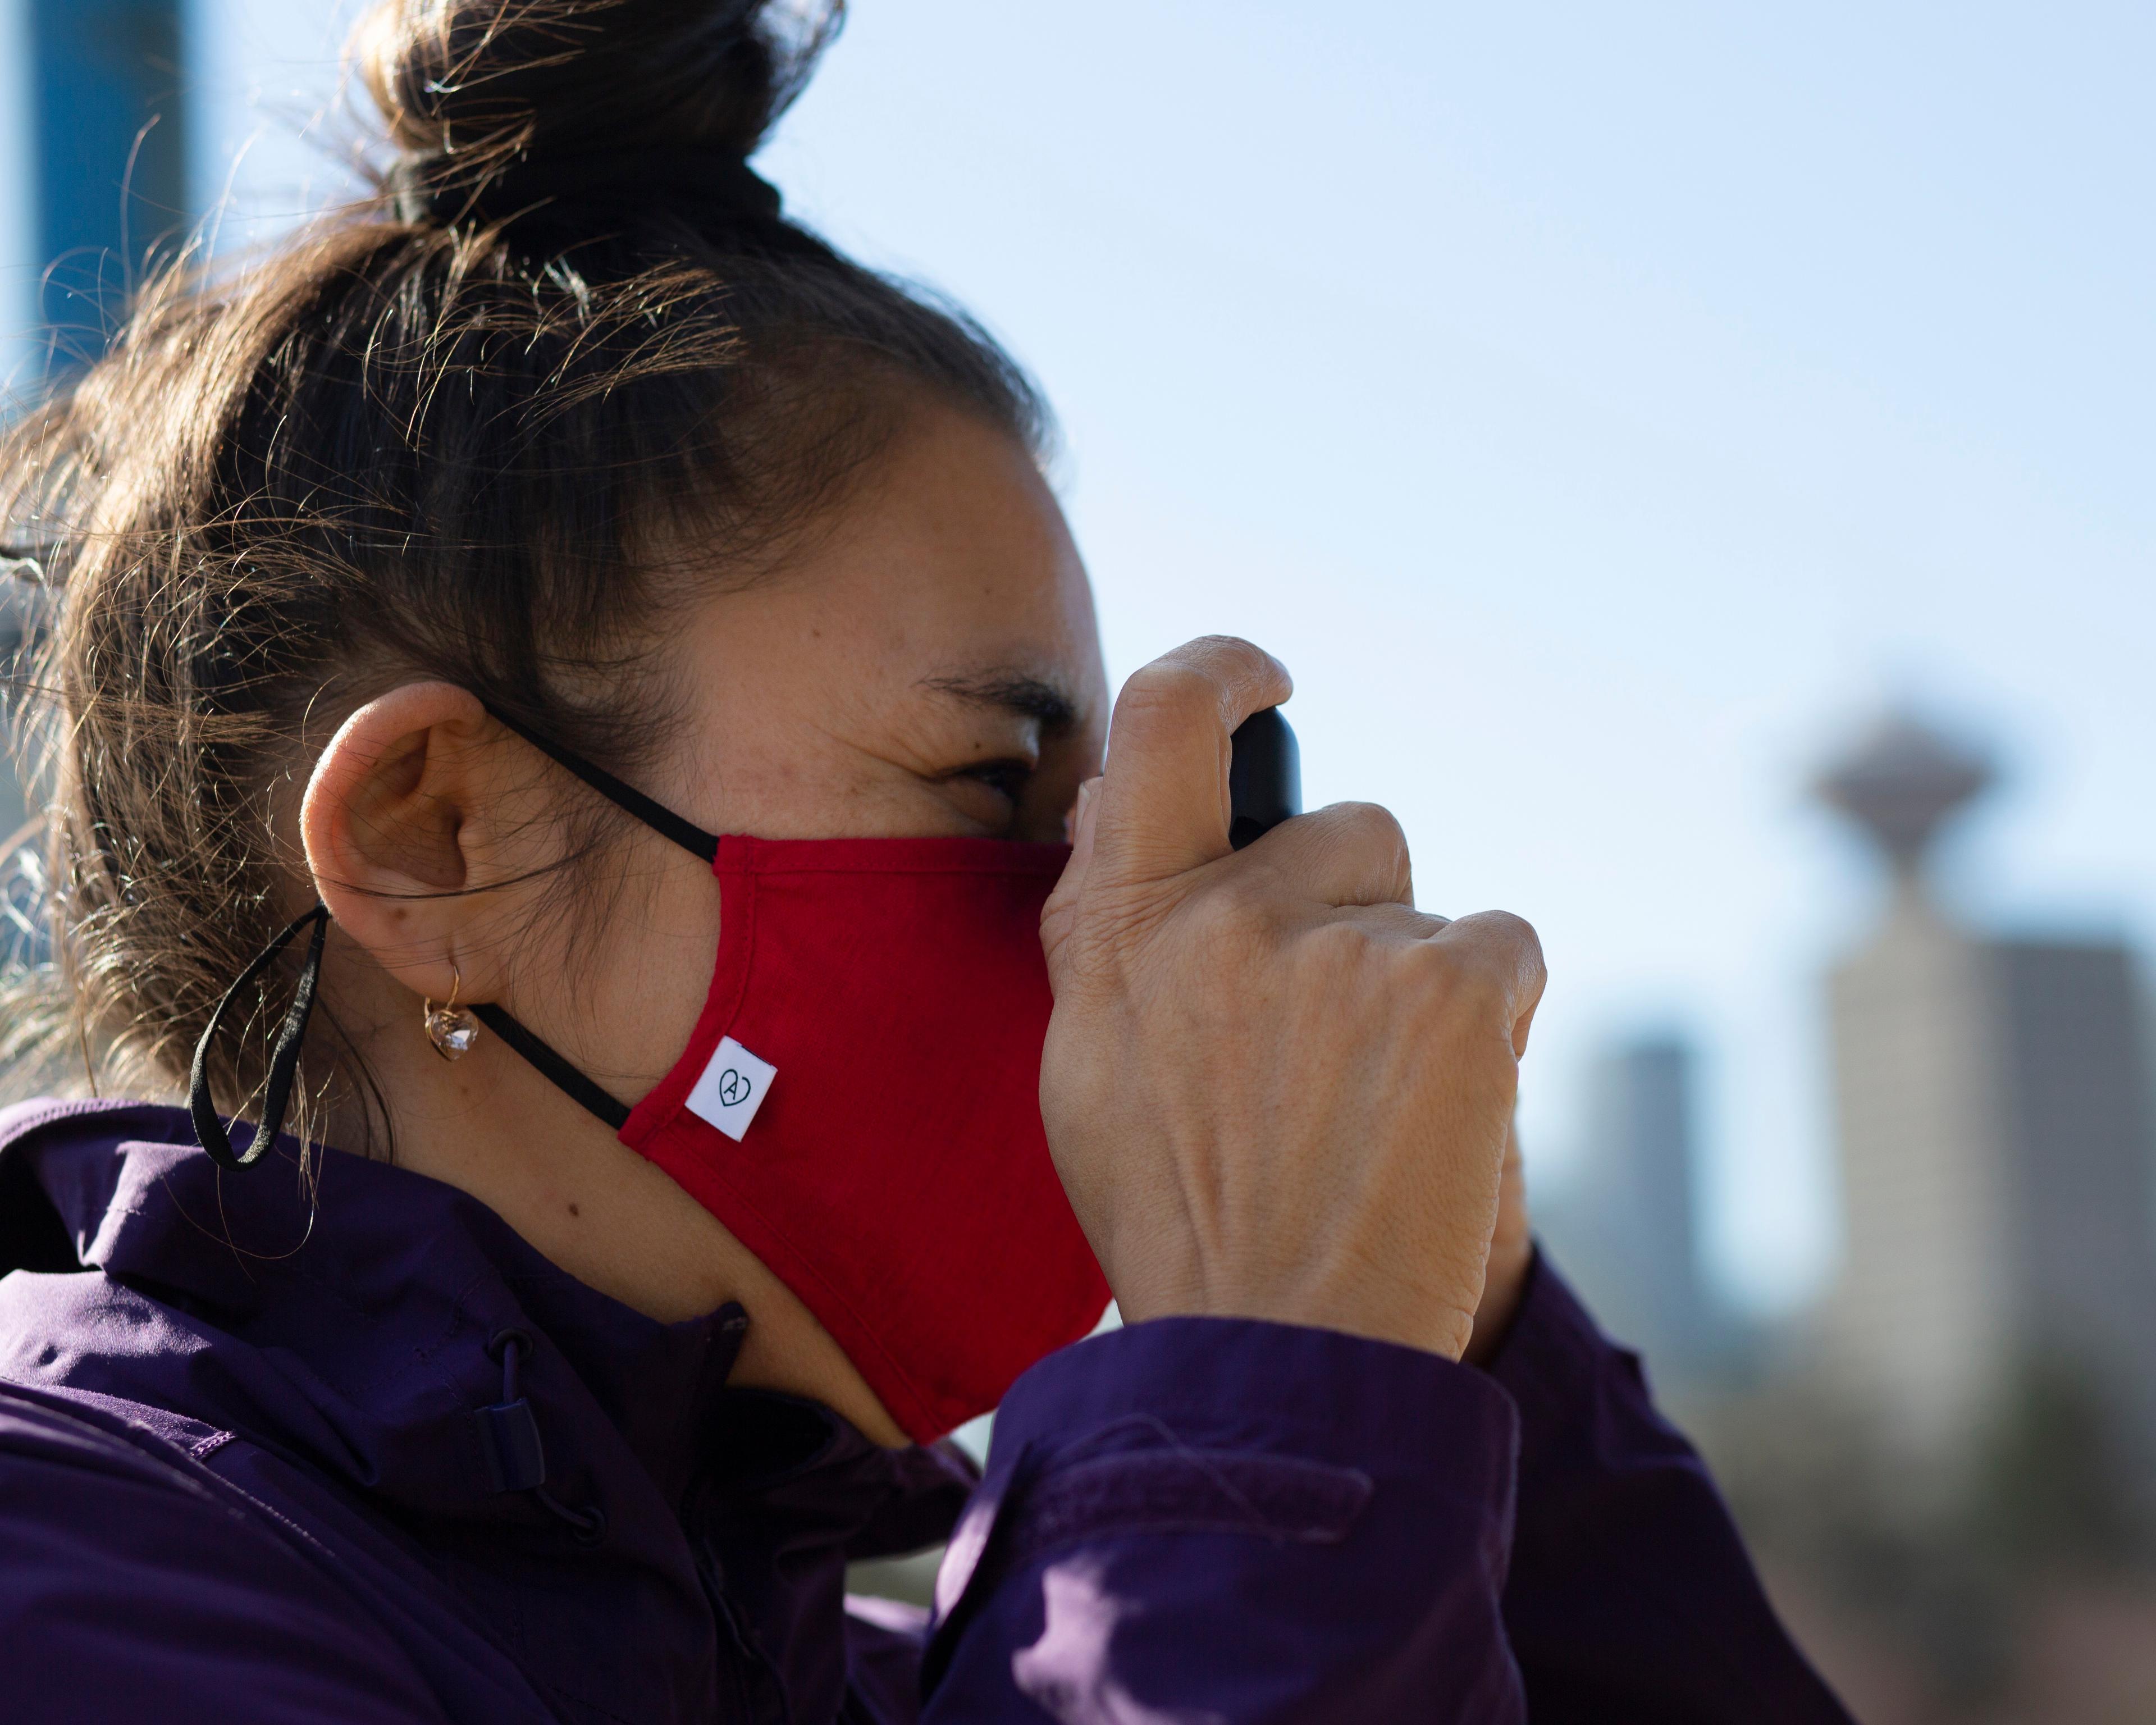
389, 822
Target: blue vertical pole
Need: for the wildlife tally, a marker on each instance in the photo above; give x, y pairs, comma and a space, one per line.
111, 156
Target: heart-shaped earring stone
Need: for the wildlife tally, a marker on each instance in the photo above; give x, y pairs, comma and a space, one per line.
453, 1030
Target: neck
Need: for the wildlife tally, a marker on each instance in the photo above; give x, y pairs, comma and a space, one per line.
490, 1125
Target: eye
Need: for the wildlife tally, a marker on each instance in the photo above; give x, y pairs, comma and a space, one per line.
1007, 778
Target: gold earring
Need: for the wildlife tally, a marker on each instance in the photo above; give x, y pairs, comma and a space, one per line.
452, 1029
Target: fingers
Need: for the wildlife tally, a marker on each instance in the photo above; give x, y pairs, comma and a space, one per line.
1163, 801
1057, 915
1506, 954
1511, 1254
1347, 853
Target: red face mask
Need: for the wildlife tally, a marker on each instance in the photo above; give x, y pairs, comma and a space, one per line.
860, 1102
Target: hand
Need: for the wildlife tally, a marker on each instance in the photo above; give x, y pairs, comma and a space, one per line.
1272, 1089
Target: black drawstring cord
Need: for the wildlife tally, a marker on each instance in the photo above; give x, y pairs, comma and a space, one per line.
284, 1055
516, 1459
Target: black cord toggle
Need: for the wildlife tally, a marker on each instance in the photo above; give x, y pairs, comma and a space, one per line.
515, 1458
210, 1132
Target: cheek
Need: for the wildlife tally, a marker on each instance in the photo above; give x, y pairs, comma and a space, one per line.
644, 973
813, 786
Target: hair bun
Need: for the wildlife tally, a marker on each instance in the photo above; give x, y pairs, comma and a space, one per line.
484, 82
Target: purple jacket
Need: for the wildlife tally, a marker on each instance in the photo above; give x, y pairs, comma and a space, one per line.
257, 1464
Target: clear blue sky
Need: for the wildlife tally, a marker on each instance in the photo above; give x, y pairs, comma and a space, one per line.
1602, 409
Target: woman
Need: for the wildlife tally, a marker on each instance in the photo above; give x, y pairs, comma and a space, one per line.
431, 598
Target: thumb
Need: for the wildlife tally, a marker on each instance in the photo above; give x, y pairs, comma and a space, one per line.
1164, 807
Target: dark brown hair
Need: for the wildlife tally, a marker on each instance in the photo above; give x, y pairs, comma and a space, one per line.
491, 447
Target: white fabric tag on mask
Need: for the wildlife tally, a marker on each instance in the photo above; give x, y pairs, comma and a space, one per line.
732, 1089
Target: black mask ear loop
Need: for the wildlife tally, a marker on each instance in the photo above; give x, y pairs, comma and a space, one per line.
284, 1055
662, 820
564, 1077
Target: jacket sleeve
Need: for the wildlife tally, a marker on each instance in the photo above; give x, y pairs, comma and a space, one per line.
1629, 1596
1205, 1521
126, 1594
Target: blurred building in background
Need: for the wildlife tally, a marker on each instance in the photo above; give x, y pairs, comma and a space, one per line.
100, 190
109, 146
25, 934
1992, 1101
19, 613
1626, 1228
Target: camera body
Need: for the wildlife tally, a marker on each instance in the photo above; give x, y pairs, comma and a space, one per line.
1265, 777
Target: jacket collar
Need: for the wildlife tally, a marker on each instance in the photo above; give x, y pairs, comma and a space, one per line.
344, 1327
350, 1321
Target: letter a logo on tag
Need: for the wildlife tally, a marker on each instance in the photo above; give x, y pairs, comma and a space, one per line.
732, 1089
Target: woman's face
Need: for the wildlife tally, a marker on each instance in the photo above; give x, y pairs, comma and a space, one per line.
928, 666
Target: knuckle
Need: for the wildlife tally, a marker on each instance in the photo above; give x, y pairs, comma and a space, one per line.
1450, 978
1375, 827
1509, 942
1339, 962
1361, 848
1515, 930
1204, 684
1372, 818
1237, 904
1221, 960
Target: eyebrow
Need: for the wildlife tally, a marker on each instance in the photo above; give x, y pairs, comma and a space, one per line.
1031, 697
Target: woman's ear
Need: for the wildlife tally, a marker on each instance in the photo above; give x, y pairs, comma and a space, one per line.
400, 821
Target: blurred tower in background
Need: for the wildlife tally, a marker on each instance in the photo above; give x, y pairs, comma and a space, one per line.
1998, 1165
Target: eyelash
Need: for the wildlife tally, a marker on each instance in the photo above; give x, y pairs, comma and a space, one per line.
1008, 777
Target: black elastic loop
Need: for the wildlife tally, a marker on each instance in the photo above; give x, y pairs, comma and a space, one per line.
713, 186
565, 1077
662, 820
210, 1132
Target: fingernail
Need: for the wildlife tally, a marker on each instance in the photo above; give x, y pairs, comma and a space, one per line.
1088, 794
